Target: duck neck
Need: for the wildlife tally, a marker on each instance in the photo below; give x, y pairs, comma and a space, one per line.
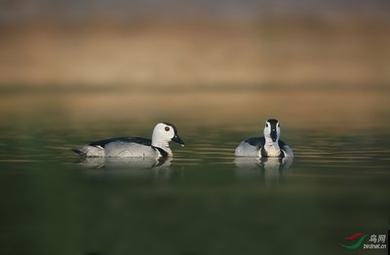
164, 145
272, 148
269, 142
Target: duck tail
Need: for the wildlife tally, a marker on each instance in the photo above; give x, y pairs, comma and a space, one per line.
90, 151
78, 151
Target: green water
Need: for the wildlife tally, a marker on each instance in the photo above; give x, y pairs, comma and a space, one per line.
203, 201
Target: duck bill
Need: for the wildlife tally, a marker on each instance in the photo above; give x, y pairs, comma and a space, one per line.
178, 140
274, 136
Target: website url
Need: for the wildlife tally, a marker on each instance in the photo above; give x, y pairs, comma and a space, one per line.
374, 246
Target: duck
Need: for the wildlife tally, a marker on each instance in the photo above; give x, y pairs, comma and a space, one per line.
265, 146
135, 147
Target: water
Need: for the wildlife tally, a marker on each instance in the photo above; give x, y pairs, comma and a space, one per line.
204, 200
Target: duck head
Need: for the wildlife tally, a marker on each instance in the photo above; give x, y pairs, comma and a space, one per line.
272, 130
163, 133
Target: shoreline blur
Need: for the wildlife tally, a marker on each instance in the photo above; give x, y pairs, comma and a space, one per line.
336, 111
281, 52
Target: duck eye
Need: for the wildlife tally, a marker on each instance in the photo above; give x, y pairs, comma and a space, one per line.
167, 129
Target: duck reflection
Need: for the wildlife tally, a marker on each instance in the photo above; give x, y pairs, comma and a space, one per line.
271, 170
135, 167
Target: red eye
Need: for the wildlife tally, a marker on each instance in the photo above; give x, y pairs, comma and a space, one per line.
167, 129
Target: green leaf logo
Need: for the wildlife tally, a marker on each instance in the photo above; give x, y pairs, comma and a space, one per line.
356, 245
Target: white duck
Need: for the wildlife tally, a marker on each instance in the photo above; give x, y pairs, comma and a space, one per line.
136, 147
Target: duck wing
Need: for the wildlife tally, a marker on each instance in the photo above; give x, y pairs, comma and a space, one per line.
257, 142
139, 140
288, 152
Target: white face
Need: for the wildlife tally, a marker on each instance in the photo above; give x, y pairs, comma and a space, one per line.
272, 130
164, 131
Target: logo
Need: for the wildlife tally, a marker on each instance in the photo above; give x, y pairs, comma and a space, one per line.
360, 240
355, 241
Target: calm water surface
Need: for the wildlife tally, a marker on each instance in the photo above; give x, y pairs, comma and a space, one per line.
204, 200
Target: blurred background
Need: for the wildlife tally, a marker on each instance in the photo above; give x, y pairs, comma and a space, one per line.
187, 44
98, 58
